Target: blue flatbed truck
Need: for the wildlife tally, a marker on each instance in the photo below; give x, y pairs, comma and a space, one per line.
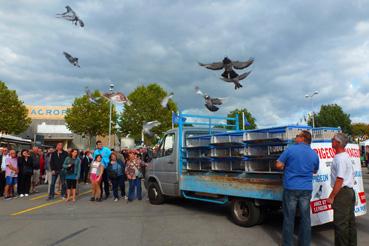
208, 158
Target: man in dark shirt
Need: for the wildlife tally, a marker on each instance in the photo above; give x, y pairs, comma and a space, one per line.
36, 159
56, 164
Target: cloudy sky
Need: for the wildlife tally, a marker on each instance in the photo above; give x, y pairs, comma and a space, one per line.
298, 46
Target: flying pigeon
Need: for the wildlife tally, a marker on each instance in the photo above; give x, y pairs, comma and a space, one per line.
164, 102
70, 15
147, 126
91, 98
229, 75
209, 101
118, 97
71, 59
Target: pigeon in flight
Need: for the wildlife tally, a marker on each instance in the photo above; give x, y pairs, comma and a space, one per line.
229, 75
70, 15
71, 59
164, 102
91, 98
209, 101
118, 97
147, 126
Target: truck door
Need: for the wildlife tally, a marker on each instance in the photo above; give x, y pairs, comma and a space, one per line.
165, 165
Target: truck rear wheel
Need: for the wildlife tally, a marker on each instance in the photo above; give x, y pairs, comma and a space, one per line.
156, 197
245, 212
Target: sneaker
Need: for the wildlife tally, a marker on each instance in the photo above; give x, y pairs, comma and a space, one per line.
92, 199
116, 199
125, 197
7, 198
50, 198
98, 200
26, 195
21, 195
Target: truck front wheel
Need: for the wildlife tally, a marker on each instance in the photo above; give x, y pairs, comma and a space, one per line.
156, 197
244, 212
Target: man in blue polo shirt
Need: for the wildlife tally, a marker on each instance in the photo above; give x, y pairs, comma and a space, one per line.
105, 153
299, 162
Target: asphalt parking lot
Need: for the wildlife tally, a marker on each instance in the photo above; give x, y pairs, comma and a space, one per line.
35, 221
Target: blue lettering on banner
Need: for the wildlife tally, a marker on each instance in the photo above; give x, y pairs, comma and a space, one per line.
33, 111
48, 111
64, 112
40, 112
56, 112
320, 178
360, 209
358, 174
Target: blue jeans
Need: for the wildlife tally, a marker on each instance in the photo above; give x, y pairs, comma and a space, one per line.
118, 182
135, 189
52, 185
292, 198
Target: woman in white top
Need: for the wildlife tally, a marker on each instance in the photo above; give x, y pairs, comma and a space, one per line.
96, 171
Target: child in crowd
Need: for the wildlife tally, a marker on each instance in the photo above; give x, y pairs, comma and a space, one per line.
96, 171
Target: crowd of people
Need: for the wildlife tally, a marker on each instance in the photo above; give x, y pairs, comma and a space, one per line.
63, 170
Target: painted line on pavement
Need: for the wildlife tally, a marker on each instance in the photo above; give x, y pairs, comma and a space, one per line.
39, 197
44, 205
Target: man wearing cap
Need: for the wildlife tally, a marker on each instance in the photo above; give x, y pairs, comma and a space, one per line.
342, 196
105, 152
299, 162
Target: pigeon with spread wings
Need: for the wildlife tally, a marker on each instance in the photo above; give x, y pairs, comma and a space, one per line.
71, 59
91, 98
210, 102
70, 15
164, 102
118, 97
229, 75
147, 126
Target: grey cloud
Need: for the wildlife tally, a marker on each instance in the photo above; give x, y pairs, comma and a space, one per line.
298, 46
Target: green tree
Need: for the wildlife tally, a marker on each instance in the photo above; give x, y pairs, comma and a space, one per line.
250, 124
146, 107
332, 115
90, 119
360, 131
13, 113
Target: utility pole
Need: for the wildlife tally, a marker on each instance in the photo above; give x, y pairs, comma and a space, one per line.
312, 105
111, 89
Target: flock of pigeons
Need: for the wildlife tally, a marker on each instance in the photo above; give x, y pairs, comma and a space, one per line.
211, 103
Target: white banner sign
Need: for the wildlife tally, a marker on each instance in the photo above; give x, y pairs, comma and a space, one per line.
321, 211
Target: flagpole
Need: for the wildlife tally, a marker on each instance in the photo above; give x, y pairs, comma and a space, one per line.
110, 109
243, 120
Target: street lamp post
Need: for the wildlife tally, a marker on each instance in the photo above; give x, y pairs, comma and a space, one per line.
312, 105
111, 89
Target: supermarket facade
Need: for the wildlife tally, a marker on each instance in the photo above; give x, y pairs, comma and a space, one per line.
48, 127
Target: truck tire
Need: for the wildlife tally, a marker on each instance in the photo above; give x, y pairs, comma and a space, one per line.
245, 212
156, 197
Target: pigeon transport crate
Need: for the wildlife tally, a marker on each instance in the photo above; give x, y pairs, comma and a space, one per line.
227, 164
197, 164
284, 133
227, 152
227, 139
198, 141
200, 152
323, 134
